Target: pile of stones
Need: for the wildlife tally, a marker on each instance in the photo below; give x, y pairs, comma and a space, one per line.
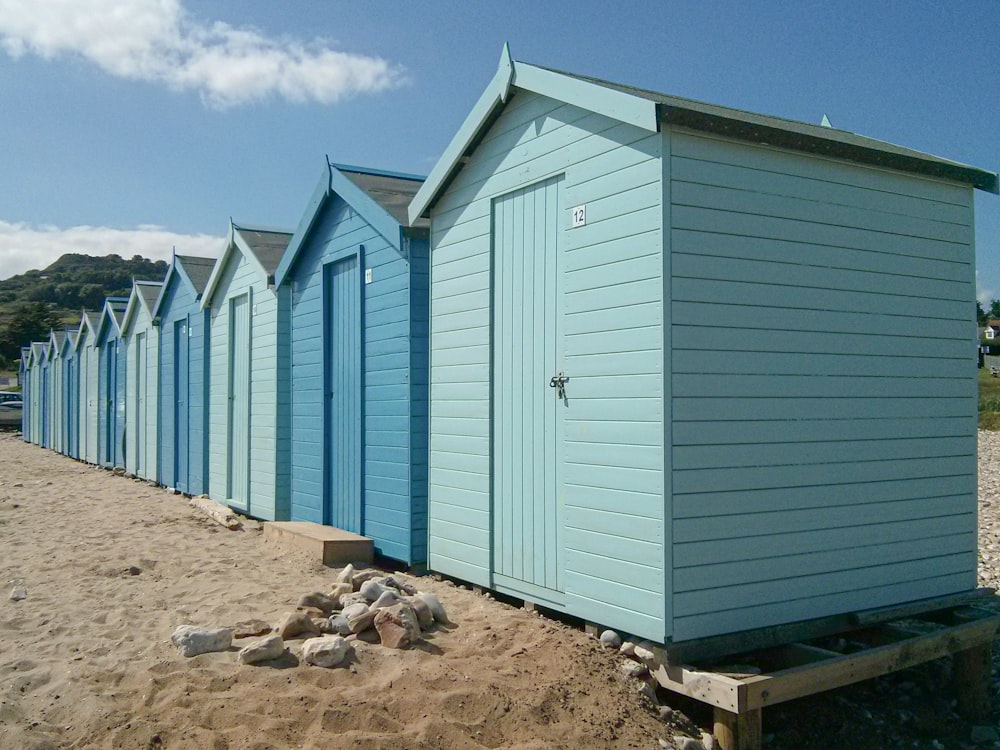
328, 622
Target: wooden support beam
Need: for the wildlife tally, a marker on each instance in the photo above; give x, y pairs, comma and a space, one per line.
971, 680
738, 731
592, 629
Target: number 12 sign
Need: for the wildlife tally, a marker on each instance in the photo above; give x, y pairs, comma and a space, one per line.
579, 216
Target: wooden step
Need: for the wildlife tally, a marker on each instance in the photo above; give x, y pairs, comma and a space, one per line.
333, 546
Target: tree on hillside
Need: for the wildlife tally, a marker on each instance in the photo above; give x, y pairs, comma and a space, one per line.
32, 321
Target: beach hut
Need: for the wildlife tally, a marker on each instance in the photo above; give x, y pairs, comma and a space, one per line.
37, 391
55, 386
46, 394
141, 341
23, 377
183, 374
111, 384
597, 447
87, 365
357, 276
248, 395
69, 416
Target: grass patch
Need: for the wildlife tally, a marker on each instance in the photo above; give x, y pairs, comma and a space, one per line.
989, 401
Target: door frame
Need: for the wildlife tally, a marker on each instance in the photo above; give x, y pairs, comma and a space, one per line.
231, 356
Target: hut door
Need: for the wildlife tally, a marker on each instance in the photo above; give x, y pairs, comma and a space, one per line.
239, 401
140, 404
528, 409
181, 436
111, 390
342, 336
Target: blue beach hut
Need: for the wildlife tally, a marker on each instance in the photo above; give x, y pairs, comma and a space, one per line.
68, 400
357, 276
111, 384
36, 382
87, 367
55, 387
141, 341
593, 445
183, 374
24, 377
248, 393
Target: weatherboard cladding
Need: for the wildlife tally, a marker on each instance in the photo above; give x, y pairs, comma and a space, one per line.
390, 362
111, 383
238, 278
55, 386
70, 389
87, 357
706, 486
24, 378
183, 439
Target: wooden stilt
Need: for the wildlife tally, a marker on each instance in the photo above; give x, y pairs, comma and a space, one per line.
971, 680
592, 629
738, 731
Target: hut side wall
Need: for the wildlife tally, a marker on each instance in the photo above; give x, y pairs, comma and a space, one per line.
822, 462
147, 401
268, 488
394, 492
91, 402
611, 506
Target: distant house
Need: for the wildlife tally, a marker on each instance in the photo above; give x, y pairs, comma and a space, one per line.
248, 333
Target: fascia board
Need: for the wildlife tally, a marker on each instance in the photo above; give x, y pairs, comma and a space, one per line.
304, 228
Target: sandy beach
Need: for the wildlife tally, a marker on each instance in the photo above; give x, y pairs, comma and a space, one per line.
112, 565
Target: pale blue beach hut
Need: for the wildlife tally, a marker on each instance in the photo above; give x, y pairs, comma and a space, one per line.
357, 276
69, 410
36, 381
24, 377
111, 384
248, 394
142, 342
596, 447
55, 390
87, 367
183, 373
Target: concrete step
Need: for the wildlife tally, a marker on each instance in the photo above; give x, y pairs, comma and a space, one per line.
333, 546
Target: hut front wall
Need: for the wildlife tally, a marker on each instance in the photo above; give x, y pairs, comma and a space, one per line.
90, 400
595, 534
141, 434
180, 307
267, 483
824, 392
391, 509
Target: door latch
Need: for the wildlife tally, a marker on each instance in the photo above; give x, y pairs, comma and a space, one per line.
559, 383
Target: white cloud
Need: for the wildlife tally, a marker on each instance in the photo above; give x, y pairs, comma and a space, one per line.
159, 41
23, 247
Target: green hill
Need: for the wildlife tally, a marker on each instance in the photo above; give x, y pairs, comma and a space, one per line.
33, 302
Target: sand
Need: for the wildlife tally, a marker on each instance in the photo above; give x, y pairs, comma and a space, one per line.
112, 565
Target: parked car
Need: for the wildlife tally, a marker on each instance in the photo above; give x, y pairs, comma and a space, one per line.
10, 409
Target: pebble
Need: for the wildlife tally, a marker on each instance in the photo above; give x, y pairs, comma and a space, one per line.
666, 713
250, 629
392, 583
362, 621
192, 640
18, 593
424, 615
611, 639
688, 743
328, 651
353, 610
627, 649
265, 649
338, 591
644, 653
355, 597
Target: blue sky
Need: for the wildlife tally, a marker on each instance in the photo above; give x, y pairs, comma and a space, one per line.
136, 127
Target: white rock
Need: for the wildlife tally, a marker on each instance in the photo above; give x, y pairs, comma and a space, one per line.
627, 649
264, 649
387, 599
371, 590
192, 640
328, 651
708, 741
18, 593
346, 574
644, 652
611, 639
339, 625
437, 610
633, 669
688, 743
354, 610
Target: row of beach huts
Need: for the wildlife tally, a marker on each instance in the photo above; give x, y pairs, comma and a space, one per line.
675, 368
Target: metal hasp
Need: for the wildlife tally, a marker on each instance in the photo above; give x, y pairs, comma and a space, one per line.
559, 383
